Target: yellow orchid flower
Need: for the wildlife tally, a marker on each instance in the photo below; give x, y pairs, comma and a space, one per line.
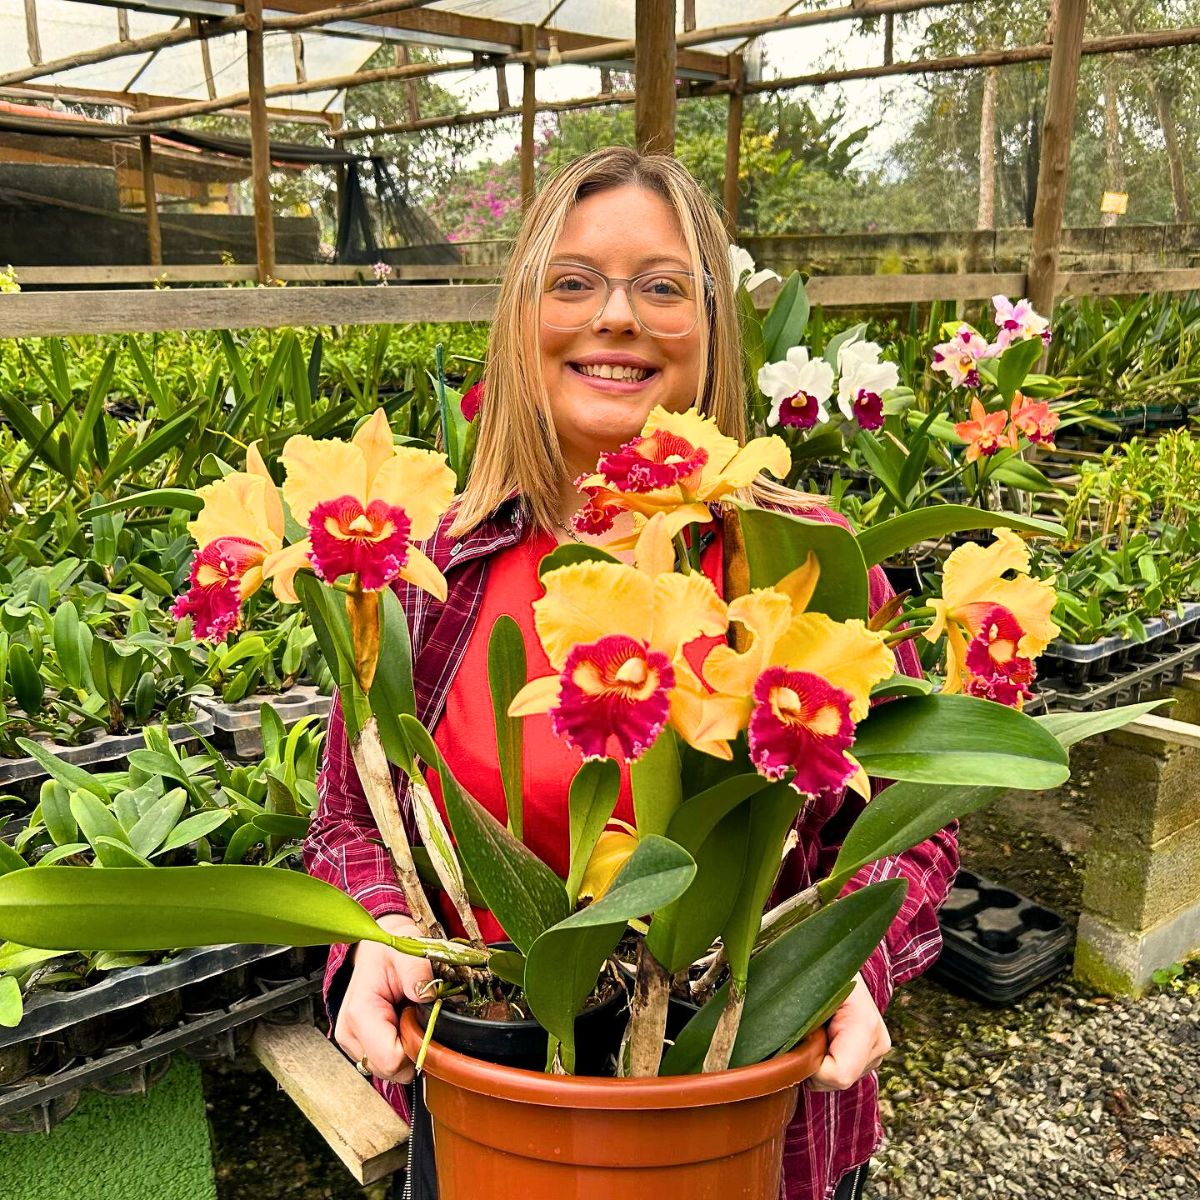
365, 502
995, 626
615, 636
238, 530
801, 684
679, 459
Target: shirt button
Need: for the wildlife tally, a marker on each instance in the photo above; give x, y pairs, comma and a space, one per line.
455, 549
514, 517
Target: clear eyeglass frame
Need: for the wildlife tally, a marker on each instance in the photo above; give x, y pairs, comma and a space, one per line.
630, 291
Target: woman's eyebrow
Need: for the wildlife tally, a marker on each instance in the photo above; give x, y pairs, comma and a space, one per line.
645, 264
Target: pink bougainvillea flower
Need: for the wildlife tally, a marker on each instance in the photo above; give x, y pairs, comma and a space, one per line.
985, 433
614, 687
1018, 322
959, 358
799, 389
978, 580
472, 401
649, 463
365, 502
801, 723
863, 381
1034, 420
238, 530
727, 468
615, 637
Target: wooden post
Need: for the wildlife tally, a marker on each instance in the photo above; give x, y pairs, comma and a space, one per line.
528, 114
502, 100
32, 36
260, 146
153, 231
122, 24
654, 69
1056, 154
733, 144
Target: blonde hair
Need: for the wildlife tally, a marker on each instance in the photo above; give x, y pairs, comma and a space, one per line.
517, 449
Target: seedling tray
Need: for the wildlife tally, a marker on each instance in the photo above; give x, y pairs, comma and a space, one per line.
141, 1059
237, 727
1161, 671
48, 1012
996, 944
108, 748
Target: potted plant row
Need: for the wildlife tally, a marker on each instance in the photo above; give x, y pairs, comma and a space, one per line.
719, 774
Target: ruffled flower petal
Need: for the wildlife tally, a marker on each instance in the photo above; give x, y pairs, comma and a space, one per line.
281, 567
614, 687
419, 482
765, 616
585, 601
320, 470
537, 696
685, 607
374, 440
237, 506
419, 570
658, 460
214, 601
801, 723
347, 539
996, 668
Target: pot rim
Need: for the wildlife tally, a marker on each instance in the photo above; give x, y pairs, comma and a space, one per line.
571, 1091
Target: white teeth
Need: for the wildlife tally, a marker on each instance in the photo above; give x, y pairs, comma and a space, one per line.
611, 371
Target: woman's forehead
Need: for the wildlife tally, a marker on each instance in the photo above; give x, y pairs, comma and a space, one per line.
623, 229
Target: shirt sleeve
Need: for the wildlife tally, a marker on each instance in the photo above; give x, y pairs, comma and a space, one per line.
343, 846
914, 939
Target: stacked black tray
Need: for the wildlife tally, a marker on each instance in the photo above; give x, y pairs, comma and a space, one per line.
998, 945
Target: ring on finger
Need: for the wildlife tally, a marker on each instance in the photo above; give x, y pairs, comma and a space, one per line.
363, 1067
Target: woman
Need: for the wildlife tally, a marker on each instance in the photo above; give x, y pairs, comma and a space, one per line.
582, 349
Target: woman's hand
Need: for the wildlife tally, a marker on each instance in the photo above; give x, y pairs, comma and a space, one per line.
858, 1042
383, 981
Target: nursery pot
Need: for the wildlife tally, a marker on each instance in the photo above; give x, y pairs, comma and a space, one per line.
547, 1137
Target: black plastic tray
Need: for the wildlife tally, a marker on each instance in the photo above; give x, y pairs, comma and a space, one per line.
42, 1091
997, 944
49, 1011
237, 727
1132, 685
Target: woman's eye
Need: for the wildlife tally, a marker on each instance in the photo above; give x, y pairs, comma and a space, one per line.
661, 288
570, 283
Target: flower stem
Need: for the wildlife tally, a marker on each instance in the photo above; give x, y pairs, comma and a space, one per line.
457, 954
681, 554
648, 1022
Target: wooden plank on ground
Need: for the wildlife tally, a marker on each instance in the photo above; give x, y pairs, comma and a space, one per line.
362, 1129
44, 314
1164, 729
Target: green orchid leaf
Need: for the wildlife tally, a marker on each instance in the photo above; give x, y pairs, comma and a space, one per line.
10, 860
96, 819
901, 685
564, 963
193, 828
11, 1008
1072, 727
326, 613
777, 543
1021, 475
526, 897
785, 322
111, 852
506, 677
278, 825
901, 533
656, 782
1014, 364
900, 817
392, 690
175, 498
509, 966
795, 980
55, 805
772, 813
571, 553
151, 829
168, 908
591, 802
958, 740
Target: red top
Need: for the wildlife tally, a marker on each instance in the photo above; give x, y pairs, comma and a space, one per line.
466, 733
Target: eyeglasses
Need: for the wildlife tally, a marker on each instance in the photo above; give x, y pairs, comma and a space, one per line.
666, 304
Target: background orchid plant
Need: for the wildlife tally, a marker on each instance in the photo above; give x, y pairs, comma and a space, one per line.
735, 701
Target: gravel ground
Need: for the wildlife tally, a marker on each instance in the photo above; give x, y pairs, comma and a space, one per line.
1063, 1094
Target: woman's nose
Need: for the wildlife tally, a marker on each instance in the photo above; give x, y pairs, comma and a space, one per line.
617, 315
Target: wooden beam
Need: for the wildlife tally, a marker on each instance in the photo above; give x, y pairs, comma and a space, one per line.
260, 145
215, 28
210, 84
153, 232
33, 38
361, 1127
654, 68
122, 24
1055, 159
185, 273
501, 88
528, 118
733, 146
39, 314
1165, 729
607, 51
330, 83
411, 100
298, 57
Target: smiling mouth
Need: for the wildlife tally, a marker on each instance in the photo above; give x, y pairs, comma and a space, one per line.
621, 374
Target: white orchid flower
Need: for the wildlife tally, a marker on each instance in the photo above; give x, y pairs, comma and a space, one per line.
741, 265
799, 388
863, 380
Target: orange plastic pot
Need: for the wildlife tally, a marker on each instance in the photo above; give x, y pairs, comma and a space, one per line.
525, 1135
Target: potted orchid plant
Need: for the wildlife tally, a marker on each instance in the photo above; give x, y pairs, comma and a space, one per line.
735, 703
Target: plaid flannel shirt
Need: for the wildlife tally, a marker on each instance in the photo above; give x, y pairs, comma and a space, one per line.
832, 1132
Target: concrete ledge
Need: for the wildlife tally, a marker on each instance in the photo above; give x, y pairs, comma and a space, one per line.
1118, 962
1139, 884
